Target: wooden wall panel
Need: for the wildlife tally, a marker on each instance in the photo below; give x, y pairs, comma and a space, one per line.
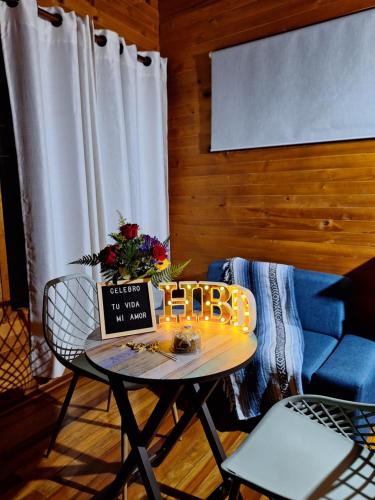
136, 20
311, 205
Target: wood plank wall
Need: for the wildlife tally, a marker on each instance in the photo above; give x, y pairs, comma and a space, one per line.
136, 20
312, 206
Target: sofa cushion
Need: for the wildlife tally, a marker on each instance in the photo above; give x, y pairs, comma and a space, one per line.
318, 347
215, 270
321, 301
349, 373
321, 298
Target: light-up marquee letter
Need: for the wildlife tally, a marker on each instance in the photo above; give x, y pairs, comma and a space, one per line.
243, 308
219, 303
186, 301
212, 304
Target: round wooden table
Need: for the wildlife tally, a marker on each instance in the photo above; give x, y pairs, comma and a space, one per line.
224, 350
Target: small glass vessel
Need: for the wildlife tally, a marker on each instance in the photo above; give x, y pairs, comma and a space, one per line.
187, 340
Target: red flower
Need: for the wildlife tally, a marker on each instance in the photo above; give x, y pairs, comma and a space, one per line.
129, 231
159, 252
108, 255
134, 230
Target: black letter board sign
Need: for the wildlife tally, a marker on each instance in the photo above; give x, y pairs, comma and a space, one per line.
126, 308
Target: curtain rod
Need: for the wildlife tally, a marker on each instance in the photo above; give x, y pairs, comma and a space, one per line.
57, 20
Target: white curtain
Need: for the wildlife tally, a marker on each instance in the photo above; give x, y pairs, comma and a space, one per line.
90, 130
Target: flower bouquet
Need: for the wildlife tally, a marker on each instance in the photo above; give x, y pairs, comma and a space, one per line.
134, 256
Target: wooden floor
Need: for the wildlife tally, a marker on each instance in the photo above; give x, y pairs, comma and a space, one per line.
86, 455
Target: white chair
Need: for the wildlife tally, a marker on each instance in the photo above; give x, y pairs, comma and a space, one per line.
308, 447
70, 315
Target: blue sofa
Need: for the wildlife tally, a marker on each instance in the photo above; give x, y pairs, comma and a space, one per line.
339, 359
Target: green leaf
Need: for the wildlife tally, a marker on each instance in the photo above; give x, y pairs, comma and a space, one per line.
110, 274
117, 237
121, 218
88, 260
169, 274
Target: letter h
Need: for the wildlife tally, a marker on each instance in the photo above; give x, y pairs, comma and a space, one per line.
185, 301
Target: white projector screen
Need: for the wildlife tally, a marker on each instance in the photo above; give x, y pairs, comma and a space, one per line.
314, 84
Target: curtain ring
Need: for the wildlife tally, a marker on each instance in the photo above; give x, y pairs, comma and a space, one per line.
58, 20
101, 40
12, 3
147, 61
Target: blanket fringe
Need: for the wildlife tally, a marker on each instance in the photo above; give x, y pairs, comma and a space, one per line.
227, 276
229, 392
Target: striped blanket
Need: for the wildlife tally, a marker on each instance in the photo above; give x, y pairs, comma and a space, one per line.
275, 371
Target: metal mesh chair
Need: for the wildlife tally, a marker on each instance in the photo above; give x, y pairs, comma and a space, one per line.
309, 447
70, 315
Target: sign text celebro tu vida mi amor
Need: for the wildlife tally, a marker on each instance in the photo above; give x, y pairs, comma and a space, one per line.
220, 303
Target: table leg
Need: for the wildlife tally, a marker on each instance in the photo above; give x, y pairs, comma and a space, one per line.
210, 430
139, 440
212, 436
201, 395
198, 406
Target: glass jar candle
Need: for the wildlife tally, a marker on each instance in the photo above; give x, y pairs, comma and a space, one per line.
187, 339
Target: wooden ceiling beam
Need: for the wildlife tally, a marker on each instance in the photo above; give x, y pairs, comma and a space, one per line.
171, 8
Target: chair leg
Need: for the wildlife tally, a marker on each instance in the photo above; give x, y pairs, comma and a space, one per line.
234, 492
124, 454
176, 418
109, 398
64, 407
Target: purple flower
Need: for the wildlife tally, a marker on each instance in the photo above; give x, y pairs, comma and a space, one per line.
148, 243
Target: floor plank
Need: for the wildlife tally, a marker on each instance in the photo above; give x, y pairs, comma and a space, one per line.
87, 453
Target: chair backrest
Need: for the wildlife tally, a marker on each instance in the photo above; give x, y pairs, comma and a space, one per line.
352, 420
70, 314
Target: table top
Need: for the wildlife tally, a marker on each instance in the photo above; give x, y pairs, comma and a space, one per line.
224, 349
